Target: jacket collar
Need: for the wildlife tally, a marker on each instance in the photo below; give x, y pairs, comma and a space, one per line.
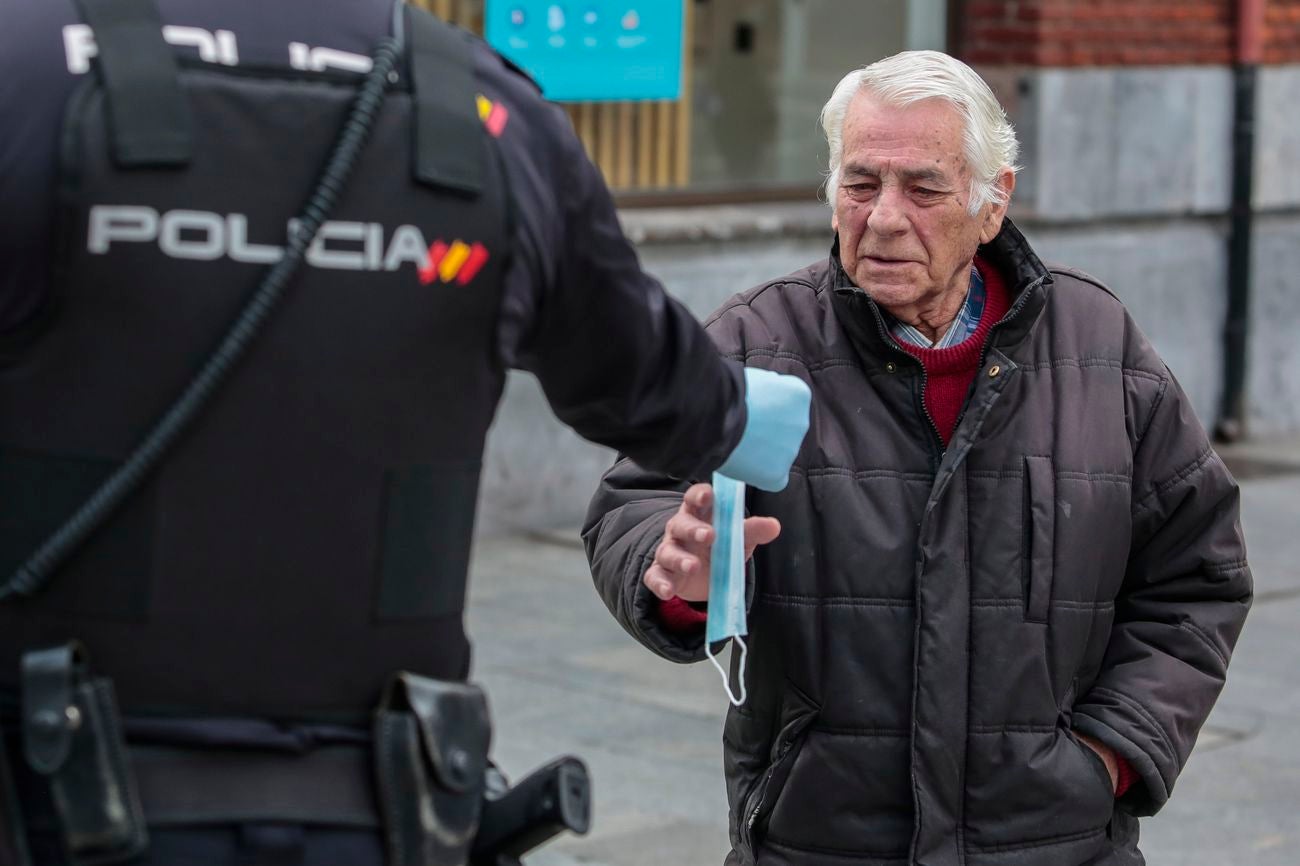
1027, 280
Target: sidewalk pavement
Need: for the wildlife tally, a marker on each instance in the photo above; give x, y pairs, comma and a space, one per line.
564, 678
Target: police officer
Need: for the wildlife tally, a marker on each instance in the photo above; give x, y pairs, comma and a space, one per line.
306, 534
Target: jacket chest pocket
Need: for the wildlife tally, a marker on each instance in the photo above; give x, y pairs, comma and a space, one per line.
1038, 522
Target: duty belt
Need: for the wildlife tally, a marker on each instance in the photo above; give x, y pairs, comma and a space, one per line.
330, 785
420, 777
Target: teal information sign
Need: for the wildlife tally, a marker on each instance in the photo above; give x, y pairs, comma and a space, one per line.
593, 50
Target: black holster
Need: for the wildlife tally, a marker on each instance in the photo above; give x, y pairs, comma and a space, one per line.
431, 743
72, 736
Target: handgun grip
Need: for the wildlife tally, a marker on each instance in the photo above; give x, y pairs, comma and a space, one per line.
550, 800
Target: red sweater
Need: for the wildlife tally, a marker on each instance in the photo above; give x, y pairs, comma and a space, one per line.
949, 372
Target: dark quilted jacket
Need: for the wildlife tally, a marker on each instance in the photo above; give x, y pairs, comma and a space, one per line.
932, 624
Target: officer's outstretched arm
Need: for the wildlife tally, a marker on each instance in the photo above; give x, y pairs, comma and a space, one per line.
629, 367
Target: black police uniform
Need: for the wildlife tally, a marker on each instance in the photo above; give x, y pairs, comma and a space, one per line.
310, 535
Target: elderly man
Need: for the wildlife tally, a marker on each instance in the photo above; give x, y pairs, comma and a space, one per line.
1009, 572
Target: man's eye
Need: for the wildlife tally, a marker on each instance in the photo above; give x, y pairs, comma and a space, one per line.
920, 190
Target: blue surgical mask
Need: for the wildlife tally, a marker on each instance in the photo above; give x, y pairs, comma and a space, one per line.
727, 577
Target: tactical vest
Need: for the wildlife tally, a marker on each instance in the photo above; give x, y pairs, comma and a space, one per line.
310, 535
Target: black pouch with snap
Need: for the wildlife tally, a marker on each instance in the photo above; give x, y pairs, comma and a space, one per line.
431, 743
72, 736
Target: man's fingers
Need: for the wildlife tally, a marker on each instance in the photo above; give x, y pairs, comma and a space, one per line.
681, 562
693, 534
760, 530
676, 561
698, 502
660, 582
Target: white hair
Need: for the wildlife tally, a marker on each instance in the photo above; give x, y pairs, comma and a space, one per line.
913, 76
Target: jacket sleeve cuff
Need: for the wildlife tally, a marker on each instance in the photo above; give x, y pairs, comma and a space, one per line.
641, 609
682, 647
1136, 740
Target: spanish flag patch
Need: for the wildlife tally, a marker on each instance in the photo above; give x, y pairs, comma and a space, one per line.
493, 114
457, 261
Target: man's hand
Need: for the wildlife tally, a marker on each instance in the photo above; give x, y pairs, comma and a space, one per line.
681, 565
1107, 755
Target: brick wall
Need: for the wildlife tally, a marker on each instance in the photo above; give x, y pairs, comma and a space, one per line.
1117, 32
1282, 31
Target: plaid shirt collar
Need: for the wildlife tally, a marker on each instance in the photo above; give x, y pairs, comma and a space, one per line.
967, 321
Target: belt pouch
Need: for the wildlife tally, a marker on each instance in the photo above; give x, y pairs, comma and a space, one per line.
72, 736
431, 743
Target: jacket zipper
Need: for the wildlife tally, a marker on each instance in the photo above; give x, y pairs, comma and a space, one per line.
936, 440
988, 341
761, 792
762, 789
1011, 314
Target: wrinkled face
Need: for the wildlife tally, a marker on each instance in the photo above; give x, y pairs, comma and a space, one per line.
906, 236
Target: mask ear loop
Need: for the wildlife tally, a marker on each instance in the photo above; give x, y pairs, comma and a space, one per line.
726, 681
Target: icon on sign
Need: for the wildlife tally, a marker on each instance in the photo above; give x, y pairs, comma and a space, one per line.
518, 17
555, 17
590, 17
632, 20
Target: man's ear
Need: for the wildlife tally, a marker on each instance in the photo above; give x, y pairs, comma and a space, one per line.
995, 213
835, 222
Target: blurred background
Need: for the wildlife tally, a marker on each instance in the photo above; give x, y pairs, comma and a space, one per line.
1161, 152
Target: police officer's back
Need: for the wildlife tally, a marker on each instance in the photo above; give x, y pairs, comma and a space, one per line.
307, 535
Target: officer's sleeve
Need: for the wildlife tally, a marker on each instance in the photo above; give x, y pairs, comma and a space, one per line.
620, 361
627, 517
1182, 604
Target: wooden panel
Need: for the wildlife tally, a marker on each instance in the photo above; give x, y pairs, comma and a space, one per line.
645, 138
606, 132
469, 14
587, 127
665, 118
637, 145
622, 178
465, 13
682, 146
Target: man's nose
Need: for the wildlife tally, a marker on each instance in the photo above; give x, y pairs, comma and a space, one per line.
888, 216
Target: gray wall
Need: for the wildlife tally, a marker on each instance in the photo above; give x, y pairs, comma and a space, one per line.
1127, 176
1274, 360
1170, 276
